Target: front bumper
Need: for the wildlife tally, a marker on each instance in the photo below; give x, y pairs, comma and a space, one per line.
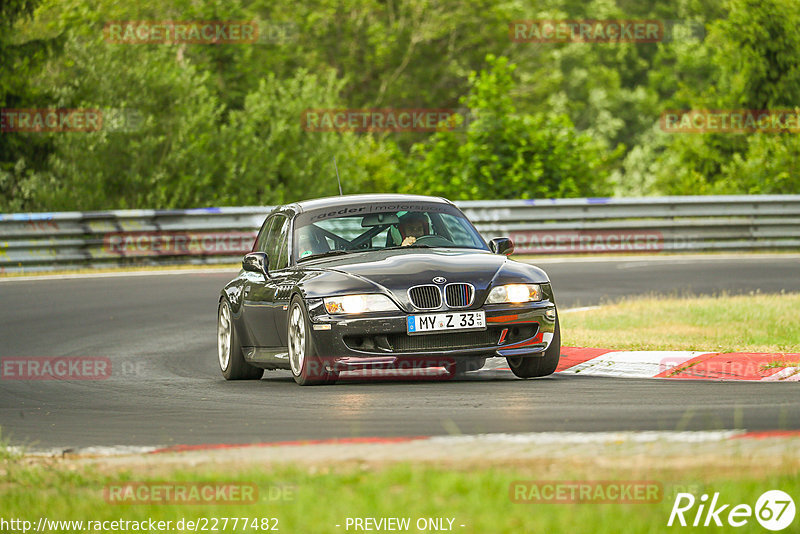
381, 340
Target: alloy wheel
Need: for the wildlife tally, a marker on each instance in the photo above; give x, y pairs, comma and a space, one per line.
297, 340
224, 336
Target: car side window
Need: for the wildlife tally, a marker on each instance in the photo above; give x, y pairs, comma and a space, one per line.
263, 236
278, 243
283, 257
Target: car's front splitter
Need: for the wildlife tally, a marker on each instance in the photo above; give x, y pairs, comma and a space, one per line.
381, 340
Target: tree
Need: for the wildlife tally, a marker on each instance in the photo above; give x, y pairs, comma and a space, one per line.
272, 158
754, 56
506, 154
21, 155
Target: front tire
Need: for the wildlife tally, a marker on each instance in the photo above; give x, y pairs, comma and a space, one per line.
229, 351
307, 368
535, 366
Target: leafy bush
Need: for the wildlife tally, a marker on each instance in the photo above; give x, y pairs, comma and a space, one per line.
500, 153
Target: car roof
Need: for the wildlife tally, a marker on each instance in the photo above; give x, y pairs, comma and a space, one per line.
349, 200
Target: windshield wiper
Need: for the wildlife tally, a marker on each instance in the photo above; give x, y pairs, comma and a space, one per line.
323, 254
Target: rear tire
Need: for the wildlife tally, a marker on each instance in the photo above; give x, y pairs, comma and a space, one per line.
307, 368
229, 352
535, 366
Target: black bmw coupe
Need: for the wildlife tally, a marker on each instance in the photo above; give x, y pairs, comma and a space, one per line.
366, 282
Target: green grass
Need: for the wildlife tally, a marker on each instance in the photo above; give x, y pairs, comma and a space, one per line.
746, 323
780, 364
322, 497
7, 453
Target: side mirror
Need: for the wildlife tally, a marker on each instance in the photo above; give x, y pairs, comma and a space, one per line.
256, 262
501, 245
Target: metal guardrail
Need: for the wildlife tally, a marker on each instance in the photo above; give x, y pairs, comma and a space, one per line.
46, 241
649, 224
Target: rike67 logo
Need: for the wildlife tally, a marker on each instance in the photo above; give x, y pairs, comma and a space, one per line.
774, 510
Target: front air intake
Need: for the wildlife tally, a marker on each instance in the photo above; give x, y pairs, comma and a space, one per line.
427, 297
458, 295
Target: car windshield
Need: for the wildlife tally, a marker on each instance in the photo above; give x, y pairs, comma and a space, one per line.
376, 227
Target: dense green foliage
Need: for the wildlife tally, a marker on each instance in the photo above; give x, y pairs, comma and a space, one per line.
220, 124
505, 154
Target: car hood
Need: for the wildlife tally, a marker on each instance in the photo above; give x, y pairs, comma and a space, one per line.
393, 272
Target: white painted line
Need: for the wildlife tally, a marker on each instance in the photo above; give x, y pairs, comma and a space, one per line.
659, 258
116, 450
121, 274
583, 309
535, 438
633, 364
789, 374
576, 438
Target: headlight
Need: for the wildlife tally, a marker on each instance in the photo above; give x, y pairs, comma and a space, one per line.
359, 304
515, 293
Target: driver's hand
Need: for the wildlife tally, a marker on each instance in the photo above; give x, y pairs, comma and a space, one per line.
410, 240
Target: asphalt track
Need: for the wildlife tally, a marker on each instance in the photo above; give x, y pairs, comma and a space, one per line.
166, 389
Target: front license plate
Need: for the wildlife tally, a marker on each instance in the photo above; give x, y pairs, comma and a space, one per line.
435, 322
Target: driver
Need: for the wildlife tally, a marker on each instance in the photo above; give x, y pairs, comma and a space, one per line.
413, 225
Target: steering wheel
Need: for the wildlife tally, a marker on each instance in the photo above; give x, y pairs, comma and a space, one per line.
433, 240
